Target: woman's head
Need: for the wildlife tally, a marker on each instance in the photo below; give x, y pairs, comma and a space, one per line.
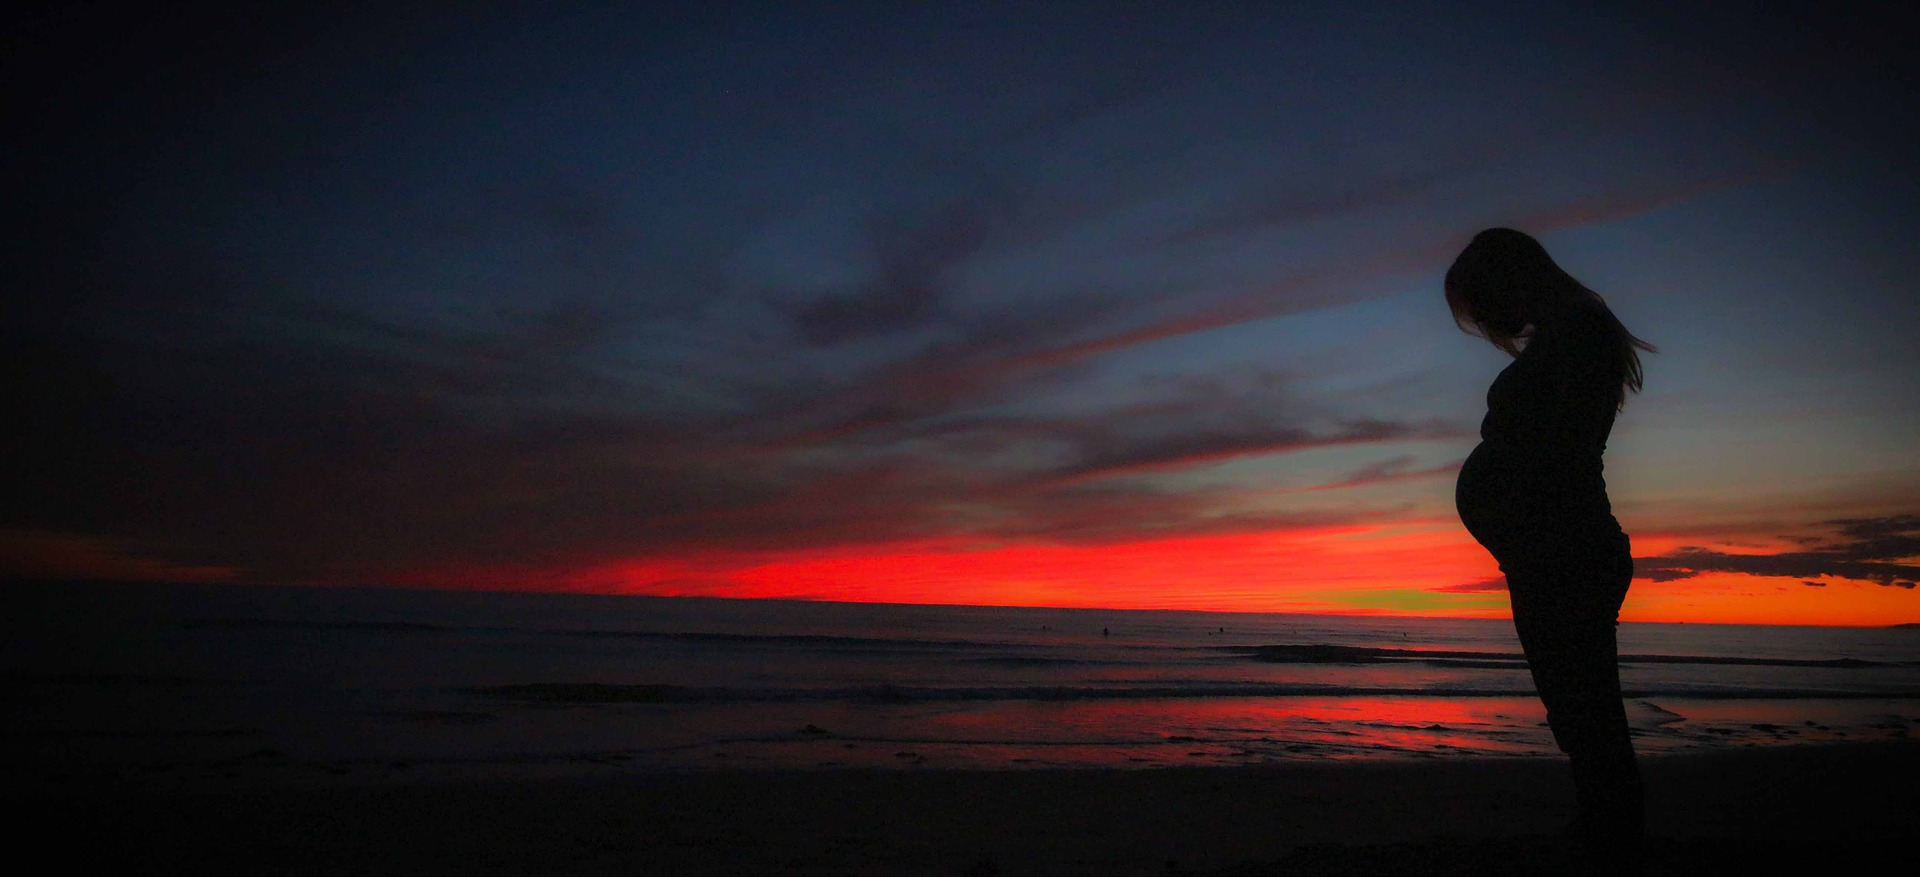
1498, 284
1504, 284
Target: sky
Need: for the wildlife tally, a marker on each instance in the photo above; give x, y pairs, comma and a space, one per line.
1124, 304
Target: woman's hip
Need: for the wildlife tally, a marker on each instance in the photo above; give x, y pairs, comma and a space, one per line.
1596, 549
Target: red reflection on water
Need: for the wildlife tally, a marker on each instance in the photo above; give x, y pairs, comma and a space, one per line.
1124, 731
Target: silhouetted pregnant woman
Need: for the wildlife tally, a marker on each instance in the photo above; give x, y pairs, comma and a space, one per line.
1532, 494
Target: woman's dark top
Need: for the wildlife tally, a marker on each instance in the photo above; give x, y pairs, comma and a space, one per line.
1534, 484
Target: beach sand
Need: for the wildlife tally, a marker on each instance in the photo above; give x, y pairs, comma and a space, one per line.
1748, 811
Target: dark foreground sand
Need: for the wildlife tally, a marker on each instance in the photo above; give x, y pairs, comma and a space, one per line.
1788, 810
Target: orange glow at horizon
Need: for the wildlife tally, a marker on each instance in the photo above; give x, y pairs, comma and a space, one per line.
1426, 569
1288, 571
1732, 598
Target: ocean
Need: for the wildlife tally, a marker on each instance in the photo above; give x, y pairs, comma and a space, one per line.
207, 681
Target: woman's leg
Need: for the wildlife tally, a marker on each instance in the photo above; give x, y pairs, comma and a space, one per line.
1565, 615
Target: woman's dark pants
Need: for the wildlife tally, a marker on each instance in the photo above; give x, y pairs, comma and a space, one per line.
1566, 595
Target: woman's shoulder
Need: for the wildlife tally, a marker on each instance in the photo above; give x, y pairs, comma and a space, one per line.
1583, 340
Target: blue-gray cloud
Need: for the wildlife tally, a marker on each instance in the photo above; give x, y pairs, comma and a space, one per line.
1880, 550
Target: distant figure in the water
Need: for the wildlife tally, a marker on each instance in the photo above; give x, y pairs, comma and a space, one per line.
1532, 494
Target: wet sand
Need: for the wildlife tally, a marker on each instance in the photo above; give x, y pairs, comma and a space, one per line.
1754, 811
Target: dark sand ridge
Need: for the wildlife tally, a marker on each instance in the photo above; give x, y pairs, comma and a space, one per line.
1749, 811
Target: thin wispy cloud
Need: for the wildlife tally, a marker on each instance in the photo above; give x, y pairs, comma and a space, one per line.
1396, 469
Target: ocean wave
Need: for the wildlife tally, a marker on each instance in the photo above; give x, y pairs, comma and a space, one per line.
305, 624
1029, 654
1321, 653
591, 693
1044, 661
833, 642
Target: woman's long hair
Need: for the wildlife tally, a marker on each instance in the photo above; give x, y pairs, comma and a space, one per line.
1501, 269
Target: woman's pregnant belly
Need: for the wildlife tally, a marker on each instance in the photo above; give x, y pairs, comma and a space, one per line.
1523, 512
1490, 498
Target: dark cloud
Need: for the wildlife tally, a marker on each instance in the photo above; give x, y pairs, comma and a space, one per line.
1390, 470
997, 357
1237, 435
1880, 550
1187, 422
910, 285
1287, 202
1495, 584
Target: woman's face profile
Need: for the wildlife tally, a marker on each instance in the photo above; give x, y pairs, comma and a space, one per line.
1496, 309
1502, 314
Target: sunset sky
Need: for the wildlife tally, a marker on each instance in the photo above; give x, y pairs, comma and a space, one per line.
1117, 304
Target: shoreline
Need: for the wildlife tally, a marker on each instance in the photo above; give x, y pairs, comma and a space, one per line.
1755, 804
